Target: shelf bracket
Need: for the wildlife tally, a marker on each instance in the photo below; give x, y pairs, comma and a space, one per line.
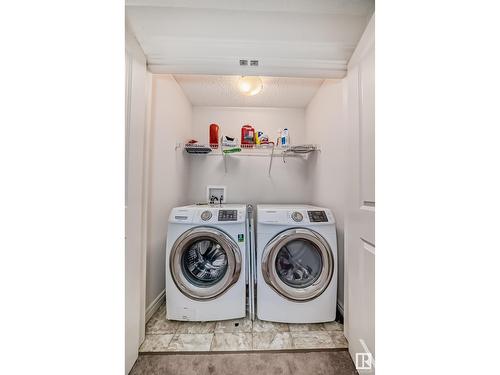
271, 161
283, 155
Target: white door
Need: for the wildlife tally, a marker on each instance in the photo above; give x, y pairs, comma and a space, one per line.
360, 222
135, 132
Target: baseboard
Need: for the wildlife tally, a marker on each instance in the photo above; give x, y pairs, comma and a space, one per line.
155, 305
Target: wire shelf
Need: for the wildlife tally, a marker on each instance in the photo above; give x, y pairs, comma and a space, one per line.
263, 150
249, 150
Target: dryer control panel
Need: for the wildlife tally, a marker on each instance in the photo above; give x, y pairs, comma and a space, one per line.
299, 215
317, 216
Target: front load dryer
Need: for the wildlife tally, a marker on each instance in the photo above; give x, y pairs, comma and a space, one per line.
205, 262
296, 264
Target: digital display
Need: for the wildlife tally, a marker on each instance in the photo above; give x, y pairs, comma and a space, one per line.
228, 215
317, 216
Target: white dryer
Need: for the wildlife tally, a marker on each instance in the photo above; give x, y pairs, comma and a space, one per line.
205, 262
296, 264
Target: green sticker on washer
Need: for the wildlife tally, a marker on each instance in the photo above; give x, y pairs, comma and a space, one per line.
241, 237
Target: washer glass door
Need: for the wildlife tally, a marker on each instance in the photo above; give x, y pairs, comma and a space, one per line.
204, 263
298, 264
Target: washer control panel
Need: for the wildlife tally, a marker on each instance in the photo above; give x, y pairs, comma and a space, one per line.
297, 217
228, 215
317, 216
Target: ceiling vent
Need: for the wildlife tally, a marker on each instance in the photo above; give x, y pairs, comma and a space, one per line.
244, 62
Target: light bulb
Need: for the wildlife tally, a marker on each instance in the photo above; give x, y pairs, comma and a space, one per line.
250, 85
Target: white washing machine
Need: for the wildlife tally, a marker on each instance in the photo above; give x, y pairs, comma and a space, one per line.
296, 264
205, 262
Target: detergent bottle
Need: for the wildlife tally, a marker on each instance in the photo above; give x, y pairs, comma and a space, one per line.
247, 135
214, 135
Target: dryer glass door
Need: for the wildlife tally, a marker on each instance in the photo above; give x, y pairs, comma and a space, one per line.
204, 263
298, 264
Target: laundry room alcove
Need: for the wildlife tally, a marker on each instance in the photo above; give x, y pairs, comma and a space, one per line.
255, 174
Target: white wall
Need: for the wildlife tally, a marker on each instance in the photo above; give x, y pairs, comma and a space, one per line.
326, 125
168, 172
247, 178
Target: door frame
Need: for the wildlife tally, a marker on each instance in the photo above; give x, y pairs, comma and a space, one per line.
136, 62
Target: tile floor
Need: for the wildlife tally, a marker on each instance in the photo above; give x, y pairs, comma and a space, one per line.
164, 335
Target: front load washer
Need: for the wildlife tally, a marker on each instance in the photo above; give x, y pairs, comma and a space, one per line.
296, 264
205, 262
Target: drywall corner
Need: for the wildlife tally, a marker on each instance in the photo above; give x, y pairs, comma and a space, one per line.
171, 114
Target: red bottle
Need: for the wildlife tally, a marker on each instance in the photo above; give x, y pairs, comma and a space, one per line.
214, 135
247, 135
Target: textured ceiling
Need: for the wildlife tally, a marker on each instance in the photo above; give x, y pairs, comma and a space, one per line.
214, 90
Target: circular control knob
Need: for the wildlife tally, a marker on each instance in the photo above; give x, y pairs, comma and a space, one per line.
206, 215
297, 216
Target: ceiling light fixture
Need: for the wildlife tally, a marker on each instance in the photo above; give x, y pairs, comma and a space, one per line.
250, 86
